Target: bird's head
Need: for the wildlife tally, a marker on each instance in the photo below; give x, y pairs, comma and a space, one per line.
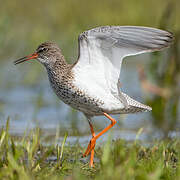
47, 53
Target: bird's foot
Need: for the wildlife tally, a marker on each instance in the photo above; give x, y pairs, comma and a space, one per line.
92, 143
90, 149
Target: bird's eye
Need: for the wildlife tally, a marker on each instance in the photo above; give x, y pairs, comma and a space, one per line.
42, 50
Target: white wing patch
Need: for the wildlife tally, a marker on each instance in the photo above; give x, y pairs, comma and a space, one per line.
101, 51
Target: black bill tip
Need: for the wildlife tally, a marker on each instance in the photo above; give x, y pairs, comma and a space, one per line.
26, 58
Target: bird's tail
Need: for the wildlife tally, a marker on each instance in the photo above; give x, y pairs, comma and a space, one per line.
133, 106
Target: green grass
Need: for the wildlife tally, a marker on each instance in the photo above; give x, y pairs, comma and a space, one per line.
27, 158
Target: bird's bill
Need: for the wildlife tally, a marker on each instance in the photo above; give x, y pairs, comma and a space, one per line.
26, 58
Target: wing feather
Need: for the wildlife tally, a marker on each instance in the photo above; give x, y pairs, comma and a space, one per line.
102, 49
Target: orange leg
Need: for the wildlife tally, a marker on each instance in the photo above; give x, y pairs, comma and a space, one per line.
92, 142
91, 146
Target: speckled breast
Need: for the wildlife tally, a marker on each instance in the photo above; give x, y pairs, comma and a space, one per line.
76, 98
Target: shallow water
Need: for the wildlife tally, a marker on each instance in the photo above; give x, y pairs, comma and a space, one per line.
34, 104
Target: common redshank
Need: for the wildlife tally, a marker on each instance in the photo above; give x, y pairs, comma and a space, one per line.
92, 84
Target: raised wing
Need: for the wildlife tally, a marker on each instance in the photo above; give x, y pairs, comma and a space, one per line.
102, 49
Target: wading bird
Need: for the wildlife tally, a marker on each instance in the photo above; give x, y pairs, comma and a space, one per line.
91, 85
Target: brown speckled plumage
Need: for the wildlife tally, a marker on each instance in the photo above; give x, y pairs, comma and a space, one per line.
61, 79
62, 84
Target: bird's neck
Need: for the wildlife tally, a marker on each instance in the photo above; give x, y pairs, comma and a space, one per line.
60, 69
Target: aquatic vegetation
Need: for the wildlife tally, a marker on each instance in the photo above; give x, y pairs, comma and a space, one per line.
29, 158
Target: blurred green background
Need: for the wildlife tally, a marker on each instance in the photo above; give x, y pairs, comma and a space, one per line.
26, 24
